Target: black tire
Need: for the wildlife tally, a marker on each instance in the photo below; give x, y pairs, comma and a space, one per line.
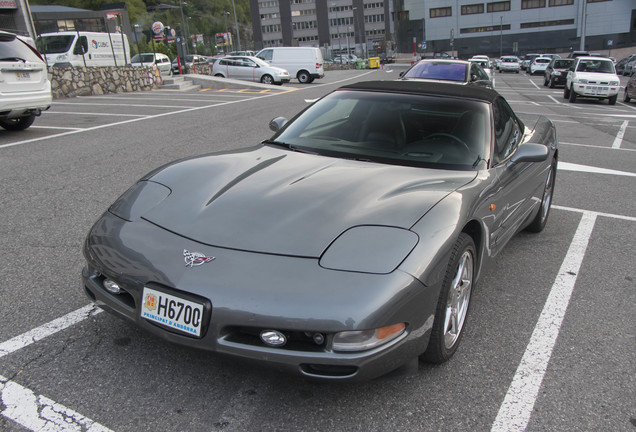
572, 97
538, 223
454, 301
304, 77
545, 82
219, 75
566, 92
612, 99
267, 79
626, 97
551, 83
18, 124
517, 71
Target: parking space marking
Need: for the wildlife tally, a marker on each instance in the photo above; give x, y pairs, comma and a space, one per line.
96, 114
516, 409
48, 329
595, 146
619, 136
39, 413
118, 105
566, 166
57, 127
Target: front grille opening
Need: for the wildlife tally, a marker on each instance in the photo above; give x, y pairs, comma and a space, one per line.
328, 370
296, 340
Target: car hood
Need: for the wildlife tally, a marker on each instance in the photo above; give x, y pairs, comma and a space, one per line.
272, 200
597, 77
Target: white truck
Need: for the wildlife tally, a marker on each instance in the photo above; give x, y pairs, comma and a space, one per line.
84, 49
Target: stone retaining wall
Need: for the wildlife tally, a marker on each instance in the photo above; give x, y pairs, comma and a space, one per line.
85, 81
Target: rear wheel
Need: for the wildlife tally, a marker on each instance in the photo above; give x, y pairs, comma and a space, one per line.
304, 77
267, 79
538, 223
18, 124
453, 303
612, 99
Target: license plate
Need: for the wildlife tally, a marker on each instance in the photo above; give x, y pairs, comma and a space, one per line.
596, 90
172, 311
23, 76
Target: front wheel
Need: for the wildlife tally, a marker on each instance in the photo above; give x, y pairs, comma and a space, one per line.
538, 223
612, 99
551, 83
267, 79
566, 91
626, 97
304, 77
453, 303
572, 95
18, 124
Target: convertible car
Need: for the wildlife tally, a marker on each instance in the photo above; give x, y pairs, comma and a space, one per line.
344, 247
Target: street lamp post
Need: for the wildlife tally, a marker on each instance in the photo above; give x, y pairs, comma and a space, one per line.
136, 29
355, 26
338, 29
225, 39
348, 47
500, 36
183, 29
238, 37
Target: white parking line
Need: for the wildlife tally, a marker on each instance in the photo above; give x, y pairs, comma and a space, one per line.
118, 105
516, 409
41, 414
95, 114
48, 329
619, 136
566, 166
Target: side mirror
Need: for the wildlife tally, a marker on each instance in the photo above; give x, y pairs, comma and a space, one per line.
277, 123
530, 152
401, 74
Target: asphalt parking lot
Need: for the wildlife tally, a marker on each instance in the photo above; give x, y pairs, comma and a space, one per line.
550, 342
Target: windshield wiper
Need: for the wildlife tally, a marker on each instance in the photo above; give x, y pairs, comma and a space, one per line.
288, 146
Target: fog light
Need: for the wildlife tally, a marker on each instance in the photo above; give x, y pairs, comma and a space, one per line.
111, 286
361, 340
273, 338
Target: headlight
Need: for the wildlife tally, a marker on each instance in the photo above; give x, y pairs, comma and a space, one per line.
580, 81
556, 73
62, 58
362, 340
614, 83
369, 249
137, 200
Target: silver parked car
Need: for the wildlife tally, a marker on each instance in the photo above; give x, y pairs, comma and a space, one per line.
161, 61
250, 69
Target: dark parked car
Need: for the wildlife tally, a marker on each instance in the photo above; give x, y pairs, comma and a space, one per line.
630, 89
556, 72
345, 246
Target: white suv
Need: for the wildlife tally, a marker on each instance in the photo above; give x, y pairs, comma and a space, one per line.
593, 77
25, 90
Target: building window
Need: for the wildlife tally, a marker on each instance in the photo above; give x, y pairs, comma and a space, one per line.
498, 6
547, 23
597, 1
485, 29
473, 9
441, 12
560, 2
532, 4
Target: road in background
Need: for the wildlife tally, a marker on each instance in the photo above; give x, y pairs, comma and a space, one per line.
64, 365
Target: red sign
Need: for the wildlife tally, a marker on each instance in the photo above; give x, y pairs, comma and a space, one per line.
8, 4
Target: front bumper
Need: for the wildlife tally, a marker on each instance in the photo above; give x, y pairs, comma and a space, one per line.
248, 292
595, 90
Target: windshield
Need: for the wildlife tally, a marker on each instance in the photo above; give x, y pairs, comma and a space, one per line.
56, 44
562, 64
598, 66
438, 71
400, 129
143, 58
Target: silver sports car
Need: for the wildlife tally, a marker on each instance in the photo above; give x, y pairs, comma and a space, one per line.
342, 248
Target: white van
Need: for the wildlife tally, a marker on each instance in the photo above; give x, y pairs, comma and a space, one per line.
304, 63
84, 49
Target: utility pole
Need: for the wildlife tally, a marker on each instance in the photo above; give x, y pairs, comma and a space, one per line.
238, 37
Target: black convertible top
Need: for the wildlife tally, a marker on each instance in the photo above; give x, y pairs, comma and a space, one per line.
429, 88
